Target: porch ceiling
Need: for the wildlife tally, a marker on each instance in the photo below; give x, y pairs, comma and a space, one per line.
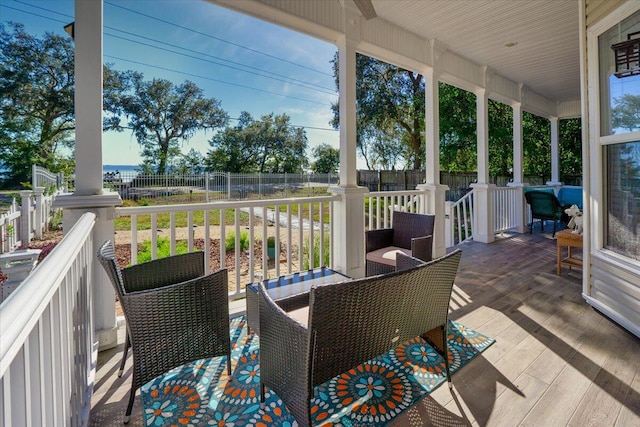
546, 57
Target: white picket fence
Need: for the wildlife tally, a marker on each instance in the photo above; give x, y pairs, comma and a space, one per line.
27, 220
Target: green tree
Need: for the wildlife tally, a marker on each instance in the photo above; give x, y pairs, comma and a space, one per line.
457, 129
36, 102
389, 113
626, 113
190, 163
160, 114
500, 139
268, 145
327, 159
570, 148
536, 145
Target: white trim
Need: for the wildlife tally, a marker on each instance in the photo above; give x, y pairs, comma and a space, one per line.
617, 260
615, 316
620, 138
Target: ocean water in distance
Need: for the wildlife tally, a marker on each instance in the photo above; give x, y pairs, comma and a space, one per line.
127, 172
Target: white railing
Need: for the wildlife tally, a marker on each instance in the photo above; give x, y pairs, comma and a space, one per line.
379, 206
505, 208
459, 219
26, 221
289, 221
47, 356
10, 236
41, 177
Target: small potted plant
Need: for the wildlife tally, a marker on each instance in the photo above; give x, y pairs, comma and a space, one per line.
271, 247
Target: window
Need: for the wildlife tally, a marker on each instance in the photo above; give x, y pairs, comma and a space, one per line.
619, 120
623, 199
619, 96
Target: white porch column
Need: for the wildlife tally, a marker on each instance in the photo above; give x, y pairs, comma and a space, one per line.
89, 195
435, 192
518, 171
483, 230
555, 154
349, 223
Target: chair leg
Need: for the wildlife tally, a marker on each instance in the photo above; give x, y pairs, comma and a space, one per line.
229, 364
555, 222
132, 397
446, 354
127, 344
262, 390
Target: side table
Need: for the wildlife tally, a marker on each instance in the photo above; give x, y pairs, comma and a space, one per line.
290, 292
570, 240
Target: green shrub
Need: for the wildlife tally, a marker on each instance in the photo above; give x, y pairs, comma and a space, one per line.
163, 249
316, 252
230, 241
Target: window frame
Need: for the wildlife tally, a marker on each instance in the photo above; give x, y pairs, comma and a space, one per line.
598, 167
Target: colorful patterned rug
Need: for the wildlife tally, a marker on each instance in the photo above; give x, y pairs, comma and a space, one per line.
372, 394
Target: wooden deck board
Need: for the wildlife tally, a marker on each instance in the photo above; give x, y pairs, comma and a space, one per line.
556, 361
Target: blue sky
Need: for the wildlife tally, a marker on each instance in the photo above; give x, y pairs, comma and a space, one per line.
247, 64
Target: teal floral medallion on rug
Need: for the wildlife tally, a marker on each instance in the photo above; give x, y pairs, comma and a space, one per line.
372, 394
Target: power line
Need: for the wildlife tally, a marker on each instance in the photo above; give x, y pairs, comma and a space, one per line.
292, 81
284, 79
298, 126
216, 38
213, 80
35, 14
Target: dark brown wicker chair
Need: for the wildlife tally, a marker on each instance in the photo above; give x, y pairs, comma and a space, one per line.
411, 234
174, 313
347, 324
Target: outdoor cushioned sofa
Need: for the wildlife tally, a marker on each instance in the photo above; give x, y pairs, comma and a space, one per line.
349, 323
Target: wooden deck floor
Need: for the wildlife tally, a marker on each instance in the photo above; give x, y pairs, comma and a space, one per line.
556, 361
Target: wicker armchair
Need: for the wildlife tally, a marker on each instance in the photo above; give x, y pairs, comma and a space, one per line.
346, 324
174, 313
411, 234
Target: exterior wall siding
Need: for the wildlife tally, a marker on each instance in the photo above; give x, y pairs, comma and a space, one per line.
569, 109
505, 88
613, 285
598, 9
617, 290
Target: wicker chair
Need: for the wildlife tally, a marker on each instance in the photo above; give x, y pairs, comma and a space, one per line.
174, 313
411, 234
544, 206
346, 324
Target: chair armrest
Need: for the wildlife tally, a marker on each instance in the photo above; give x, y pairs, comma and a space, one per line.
422, 248
284, 360
380, 238
404, 262
177, 324
164, 271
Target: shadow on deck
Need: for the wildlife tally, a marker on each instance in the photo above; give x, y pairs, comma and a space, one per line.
555, 361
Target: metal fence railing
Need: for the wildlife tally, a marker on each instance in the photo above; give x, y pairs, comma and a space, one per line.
212, 186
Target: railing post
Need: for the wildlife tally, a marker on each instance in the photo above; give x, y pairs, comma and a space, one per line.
483, 213
520, 207
448, 225
41, 219
25, 215
434, 204
228, 185
34, 172
206, 186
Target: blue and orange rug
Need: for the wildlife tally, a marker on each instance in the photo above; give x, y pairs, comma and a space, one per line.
372, 394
